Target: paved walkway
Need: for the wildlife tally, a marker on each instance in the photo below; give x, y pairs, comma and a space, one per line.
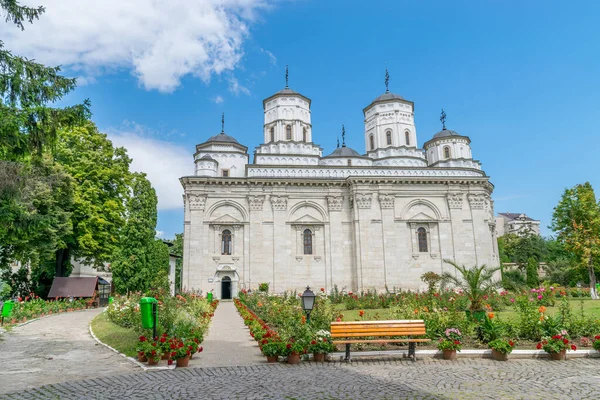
386, 379
55, 349
228, 342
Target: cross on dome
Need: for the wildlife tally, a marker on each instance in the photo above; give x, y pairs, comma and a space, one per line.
443, 119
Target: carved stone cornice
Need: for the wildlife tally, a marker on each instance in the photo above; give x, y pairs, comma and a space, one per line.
476, 201
363, 200
335, 203
197, 201
386, 200
256, 202
455, 200
279, 203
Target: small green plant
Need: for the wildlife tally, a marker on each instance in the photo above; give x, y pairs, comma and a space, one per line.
431, 279
263, 287
504, 346
272, 348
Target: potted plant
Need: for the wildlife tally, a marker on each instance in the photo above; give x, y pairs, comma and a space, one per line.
450, 344
501, 348
152, 351
596, 343
182, 352
321, 345
475, 282
293, 350
556, 346
271, 349
140, 349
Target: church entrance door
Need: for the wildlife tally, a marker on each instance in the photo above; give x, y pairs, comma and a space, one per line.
226, 288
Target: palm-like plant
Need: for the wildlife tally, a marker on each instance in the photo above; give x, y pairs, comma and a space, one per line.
475, 282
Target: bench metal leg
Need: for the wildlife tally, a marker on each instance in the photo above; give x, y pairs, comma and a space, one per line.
412, 346
347, 359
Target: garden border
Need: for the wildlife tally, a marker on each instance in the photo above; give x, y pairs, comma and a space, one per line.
133, 360
466, 353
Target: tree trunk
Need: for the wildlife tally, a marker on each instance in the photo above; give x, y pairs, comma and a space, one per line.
62, 257
592, 275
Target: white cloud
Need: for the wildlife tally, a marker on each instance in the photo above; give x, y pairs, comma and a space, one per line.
160, 41
218, 100
160, 234
272, 58
162, 161
236, 88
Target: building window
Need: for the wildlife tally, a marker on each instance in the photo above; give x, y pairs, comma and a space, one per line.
372, 142
349, 163
307, 240
304, 134
225, 172
447, 152
388, 137
407, 137
272, 134
288, 132
226, 242
422, 236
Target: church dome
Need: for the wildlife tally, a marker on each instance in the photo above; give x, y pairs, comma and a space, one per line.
388, 96
446, 133
222, 138
344, 152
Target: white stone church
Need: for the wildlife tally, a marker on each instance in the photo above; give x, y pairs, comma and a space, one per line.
295, 217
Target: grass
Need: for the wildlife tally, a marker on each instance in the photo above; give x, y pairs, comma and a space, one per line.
591, 308
121, 339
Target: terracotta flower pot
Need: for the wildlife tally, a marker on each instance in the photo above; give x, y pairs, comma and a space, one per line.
165, 356
499, 356
183, 362
560, 356
153, 361
449, 354
293, 358
319, 357
272, 359
142, 357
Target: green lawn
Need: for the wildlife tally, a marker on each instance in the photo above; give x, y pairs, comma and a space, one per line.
121, 339
591, 308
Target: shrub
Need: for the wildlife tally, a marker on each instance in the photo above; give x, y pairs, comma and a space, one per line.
504, 346
263, 287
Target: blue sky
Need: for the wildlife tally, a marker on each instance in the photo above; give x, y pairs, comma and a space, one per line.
521, 79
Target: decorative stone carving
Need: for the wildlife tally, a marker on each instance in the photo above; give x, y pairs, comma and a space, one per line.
363, 200
386, 200
476, 201
197, 202
455, 200
317, 172
334, 203
256, 202
279, 203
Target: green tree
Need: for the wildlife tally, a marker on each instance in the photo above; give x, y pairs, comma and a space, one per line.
141, 261
533, 277
101, 174
177, 249
576, 220
475, 282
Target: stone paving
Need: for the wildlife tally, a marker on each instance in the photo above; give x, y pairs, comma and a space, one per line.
228, 342
55, 349
383, 379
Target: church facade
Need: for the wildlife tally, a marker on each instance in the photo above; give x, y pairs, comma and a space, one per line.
294, 217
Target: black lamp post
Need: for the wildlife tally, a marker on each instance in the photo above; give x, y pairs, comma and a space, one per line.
308, 302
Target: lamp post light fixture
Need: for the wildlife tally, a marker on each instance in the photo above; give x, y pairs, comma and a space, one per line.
308, 302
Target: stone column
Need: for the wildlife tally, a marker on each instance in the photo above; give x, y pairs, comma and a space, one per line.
363, 205
197, 261
255, 232
279, 206
388, 233
335, 247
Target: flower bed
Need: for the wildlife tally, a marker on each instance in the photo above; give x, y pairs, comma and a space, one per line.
32, 307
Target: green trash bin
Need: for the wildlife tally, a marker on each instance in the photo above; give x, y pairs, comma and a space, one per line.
146, 311
209, 297
110, 300
7, 308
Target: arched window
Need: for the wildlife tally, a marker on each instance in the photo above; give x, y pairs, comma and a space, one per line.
372, 142
288, 132
226, 242
388, 137
407, 138
304, 134
422, 236
349, 163
447, 152
272, 134
307, 240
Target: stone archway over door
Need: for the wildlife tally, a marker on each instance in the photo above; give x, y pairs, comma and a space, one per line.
226, 288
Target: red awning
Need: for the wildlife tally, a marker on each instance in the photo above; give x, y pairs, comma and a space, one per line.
76, 287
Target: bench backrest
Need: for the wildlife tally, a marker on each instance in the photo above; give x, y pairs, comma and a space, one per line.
402, 327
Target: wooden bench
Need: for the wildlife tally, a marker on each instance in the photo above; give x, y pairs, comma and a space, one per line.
373, 332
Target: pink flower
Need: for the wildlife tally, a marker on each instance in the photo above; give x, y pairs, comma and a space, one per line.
540, 297
512, 300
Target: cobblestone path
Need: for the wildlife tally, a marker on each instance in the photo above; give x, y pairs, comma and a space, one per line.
228, 342
55, 349
385, 379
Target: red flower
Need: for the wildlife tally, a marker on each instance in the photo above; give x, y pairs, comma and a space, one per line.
511, 343
142, 338
173, 354
361, 313
324, 339
597, 337
573, 347
154, 344
163, 339
456, 342
565, 341
313, 342
200, 349
556, 337
164, 334
322, 289
173, 347
539, 346
289, 346
153, 352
